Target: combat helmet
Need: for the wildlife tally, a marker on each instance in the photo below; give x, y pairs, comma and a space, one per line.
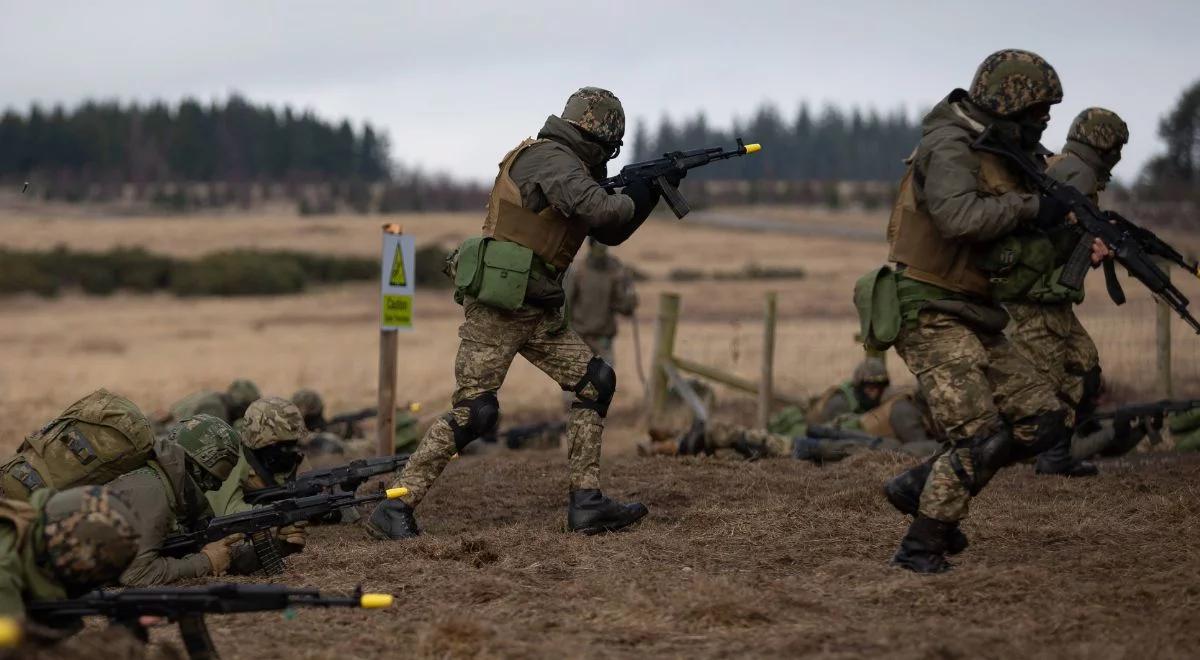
212, 445
89, 537
312, 408
598, 113
1101, 129
1010, 81
871, 371
270, 421
241, 393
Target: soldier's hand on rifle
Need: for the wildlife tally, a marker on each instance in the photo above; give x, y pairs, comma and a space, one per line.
295, 534
1100, 252
1052, 212
675, 176
219, 553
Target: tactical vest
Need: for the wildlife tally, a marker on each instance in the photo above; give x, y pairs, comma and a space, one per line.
916, 242
846, 389
552, 236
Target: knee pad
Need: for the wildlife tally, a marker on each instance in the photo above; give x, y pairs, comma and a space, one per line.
595, 390
990, 450
1049, 429
483, 413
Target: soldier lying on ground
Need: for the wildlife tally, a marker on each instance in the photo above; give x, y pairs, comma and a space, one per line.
229, 405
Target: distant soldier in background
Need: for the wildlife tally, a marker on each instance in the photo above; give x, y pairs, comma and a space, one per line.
545, 202
1044, 326
229, 405
62, 545
861, 393
599, 288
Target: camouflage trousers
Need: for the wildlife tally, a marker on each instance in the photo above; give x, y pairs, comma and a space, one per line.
1053, 339
973, 381
490, 339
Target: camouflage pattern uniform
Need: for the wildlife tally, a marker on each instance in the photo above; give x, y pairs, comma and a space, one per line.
989, 400
169, 501
267, 422
555, 179
598, 289
1045, 328
60, 545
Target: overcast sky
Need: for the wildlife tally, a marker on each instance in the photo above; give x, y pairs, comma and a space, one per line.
457, 84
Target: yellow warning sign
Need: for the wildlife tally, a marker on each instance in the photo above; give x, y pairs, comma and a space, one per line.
397, 311
398, 278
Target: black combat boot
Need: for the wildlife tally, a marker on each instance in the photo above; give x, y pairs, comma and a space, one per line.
805, 448
1058, 460
923, 548
691, 443
904, 493
590, 512
392, 520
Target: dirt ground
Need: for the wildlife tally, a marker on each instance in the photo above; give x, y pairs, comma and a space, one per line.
775, 558
767, 559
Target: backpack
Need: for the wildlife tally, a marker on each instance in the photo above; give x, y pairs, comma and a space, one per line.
95, 440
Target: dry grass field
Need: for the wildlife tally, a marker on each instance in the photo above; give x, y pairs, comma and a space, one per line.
769, 559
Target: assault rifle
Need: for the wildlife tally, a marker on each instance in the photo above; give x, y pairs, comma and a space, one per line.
346, 478
187, 607
677, 163
1150, 414
346, 418
257, 524
515, 437
1132, 246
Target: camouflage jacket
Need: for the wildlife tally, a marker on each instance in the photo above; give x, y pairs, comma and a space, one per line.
167, 502
21, 578
563, 173
598, 290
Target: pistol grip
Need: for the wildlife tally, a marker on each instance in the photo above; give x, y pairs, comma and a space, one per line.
1077, 265
670, 193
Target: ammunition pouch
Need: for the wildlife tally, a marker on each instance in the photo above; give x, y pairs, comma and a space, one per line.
496, 273
878, 305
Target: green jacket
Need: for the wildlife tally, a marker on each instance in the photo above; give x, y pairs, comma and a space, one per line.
231, 497
167, 502
1082, 168
563, 173
21, 578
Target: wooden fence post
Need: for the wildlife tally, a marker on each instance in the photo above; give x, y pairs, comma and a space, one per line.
766, 390
664, 350
1166, 387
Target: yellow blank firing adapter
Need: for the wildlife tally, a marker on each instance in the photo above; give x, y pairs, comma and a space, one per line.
751, 148
10, 633
396, 493
376, 601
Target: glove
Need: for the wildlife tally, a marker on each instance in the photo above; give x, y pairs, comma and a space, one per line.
1051, 212
295, 535
645, 198
218, 553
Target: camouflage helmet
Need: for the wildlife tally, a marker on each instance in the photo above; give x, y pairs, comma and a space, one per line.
598, 113
242, 393
309, 403
210, 443
1100, 129
871, 371
269, 421
89, 536
1009, 81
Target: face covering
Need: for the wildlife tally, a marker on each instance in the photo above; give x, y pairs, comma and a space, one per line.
1031, 133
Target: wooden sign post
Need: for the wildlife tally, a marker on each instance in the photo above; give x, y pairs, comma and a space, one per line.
396, 304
